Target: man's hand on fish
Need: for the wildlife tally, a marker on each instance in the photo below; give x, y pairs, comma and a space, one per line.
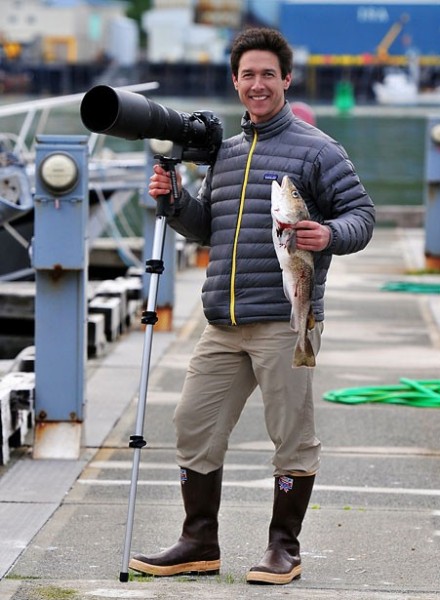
311, 236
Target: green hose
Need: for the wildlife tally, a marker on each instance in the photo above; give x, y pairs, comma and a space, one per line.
422, 394
412, 286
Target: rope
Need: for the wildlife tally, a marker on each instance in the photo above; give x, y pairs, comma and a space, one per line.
422, 394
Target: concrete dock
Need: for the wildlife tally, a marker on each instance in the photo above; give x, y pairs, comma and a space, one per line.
372, 531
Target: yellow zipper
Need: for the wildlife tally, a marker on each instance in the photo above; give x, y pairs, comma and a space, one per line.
237, 230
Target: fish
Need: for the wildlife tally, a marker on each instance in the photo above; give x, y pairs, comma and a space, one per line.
297, 266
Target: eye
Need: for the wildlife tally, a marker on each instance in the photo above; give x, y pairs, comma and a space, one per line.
295, 195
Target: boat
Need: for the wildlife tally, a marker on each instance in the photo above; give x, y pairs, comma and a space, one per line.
401, 88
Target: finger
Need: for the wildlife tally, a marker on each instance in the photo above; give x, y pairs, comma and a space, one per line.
158, 189
157, 168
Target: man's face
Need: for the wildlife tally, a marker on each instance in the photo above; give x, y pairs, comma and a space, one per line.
259, 84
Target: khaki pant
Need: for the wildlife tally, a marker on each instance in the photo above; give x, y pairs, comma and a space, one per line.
227, 365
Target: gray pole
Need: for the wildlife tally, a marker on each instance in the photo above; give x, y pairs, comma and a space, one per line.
137, 440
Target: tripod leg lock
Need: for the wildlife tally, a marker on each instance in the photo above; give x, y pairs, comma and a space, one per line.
149, 317
137, 441
154, 265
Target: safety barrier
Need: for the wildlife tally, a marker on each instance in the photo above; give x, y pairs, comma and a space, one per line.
17, 392
113, 308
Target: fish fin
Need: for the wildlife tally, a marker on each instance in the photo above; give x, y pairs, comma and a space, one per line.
304, 357
293, 325
291, 297
311, 321
291, 242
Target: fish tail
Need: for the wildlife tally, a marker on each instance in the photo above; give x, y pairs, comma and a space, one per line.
304, 355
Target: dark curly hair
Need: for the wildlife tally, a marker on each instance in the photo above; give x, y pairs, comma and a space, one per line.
257, 38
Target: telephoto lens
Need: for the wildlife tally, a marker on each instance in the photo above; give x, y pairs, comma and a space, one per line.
132, 116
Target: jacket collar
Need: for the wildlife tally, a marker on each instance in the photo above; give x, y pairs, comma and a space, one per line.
269, 128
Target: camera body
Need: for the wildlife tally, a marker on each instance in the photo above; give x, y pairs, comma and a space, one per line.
131, 116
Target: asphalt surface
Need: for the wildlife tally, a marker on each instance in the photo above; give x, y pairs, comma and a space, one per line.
372, 530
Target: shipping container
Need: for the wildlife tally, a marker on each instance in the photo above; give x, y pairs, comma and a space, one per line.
344, 32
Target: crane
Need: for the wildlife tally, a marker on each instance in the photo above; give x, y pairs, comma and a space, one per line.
390, 36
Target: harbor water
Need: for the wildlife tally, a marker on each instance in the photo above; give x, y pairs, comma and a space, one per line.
388, 151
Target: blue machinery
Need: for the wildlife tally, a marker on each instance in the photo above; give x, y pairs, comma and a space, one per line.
60, 259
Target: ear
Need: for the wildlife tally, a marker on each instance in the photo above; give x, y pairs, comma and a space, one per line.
235, 81
287, 81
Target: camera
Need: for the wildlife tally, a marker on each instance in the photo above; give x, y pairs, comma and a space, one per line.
131, 116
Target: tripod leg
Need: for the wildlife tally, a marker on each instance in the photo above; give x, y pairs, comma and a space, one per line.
137, 440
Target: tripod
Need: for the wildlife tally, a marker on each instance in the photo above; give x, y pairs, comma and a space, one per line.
155, 267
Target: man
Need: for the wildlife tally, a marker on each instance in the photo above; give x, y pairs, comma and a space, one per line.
248, 340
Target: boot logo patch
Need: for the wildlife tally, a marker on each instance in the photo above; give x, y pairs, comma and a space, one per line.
285, 483
183, 476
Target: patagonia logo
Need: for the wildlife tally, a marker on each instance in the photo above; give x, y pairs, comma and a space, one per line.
183, 476
285, 484
270, 176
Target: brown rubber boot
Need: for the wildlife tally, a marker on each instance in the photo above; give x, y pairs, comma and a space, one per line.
197, 550
281, 562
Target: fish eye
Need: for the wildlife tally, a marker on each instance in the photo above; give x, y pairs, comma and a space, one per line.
295, 194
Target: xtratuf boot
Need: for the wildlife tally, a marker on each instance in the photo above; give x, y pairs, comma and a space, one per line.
197, 549
281, 562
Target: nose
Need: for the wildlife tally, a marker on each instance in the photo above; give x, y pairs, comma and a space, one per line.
258, 82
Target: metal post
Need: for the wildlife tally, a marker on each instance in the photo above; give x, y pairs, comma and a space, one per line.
60, 259
432, 201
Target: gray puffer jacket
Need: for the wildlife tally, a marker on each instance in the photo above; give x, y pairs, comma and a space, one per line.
232, 215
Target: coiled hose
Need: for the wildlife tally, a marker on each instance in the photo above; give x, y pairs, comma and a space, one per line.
410, 392
422, 393
414, 287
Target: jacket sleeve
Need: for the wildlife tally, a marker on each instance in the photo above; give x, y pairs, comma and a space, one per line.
342, 200
193, 220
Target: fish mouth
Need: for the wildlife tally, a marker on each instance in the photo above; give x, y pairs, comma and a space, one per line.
281, 225
286, 183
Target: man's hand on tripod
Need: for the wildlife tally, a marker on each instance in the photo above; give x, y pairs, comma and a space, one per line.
160, 182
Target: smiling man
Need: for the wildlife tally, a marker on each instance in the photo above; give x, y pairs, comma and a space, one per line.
248, 341
260, 84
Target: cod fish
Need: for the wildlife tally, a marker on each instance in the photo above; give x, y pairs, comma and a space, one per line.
287, 208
